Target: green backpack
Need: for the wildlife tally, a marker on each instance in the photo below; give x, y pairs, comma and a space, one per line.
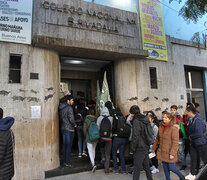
93, 132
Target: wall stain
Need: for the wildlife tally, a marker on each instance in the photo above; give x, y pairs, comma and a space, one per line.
32, 99
18, 98
145, 99
156, 98
158, 109
4, 93
133, 98
165, 100
49, 96
22, 90
180, 107
166, 109
33, 91
50, 89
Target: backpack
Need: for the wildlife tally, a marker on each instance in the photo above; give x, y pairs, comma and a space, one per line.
93, 132
148, 134
123, 129
105, 127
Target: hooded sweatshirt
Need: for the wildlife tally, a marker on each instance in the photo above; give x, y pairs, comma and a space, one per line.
138, 142
105, 112
67, 117
6, 148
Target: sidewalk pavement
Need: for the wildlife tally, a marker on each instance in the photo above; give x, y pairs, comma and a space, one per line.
100, 175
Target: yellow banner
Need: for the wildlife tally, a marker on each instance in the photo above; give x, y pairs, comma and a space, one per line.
153, 29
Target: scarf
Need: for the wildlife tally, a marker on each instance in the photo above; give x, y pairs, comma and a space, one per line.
165, 125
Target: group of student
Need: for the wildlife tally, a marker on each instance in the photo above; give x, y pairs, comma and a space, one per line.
145, 134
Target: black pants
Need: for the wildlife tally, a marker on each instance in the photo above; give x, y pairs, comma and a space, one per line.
105, 148
141, 159
195, 152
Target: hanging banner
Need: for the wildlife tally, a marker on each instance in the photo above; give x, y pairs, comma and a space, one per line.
153, 29
16, 21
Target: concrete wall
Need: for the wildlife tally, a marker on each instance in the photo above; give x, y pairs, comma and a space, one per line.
82, 27
133, 79
36, 140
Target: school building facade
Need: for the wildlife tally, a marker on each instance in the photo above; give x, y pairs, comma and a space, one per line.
73, 42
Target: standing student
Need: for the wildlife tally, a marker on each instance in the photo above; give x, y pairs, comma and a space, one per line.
138, 146
6, 147
104, 123
91, 145
168, 140
119, 140
182, 133
198, 140
79, 118
154, 161
67, 127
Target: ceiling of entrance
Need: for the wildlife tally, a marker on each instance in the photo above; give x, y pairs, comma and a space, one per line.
76, 64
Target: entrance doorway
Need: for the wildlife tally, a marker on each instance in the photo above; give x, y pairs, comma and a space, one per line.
79, 77
195, 89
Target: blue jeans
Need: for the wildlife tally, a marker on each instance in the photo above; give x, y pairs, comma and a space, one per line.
81, 139
67, 145
170, 167
118, 143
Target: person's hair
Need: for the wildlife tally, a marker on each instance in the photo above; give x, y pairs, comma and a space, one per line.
190, 104
169, 115
69, 97
164, 112
196, 105
108, 104
91, 111
174, 107
154, 117
1, 113
134, 109
191, 109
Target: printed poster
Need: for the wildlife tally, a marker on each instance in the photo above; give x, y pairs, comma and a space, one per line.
153, 29
16, 21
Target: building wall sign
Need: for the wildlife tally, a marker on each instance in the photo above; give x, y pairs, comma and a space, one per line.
90, 19
16, 21
153, 29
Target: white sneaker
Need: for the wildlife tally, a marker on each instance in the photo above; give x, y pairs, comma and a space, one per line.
190, 177
152, 167
155, 170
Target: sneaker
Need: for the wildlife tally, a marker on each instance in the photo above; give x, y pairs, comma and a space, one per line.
79, 155
190, 177
152, 167
124, 172
183, 168
94, 169
116, 171
84, 154
155, 170
67, 165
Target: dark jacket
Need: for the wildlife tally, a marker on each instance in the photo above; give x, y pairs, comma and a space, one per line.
66, 117
138, 142
196, 130
6, 148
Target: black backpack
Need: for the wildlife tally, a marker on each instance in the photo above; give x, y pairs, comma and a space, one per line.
123, 129
105, 127
148, 134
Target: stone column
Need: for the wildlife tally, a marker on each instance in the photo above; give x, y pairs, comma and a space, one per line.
125, 84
